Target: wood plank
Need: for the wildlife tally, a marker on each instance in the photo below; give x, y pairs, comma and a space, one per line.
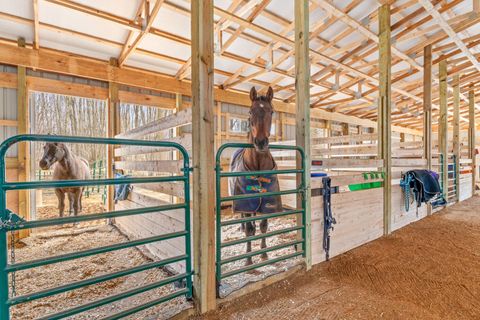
443, 122
456, 131
427, 105
171, 188
66, 88
471, 137
185, 140
324, 163
384, 111
23, 117
8, 123
203, 140
174, 120
302, 128
346, 139
8, 80
167, 166
112, 129
55, 61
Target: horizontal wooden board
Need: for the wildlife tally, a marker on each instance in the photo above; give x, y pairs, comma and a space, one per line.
164, 166
177, 119
185, 140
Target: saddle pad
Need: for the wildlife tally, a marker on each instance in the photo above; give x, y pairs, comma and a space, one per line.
253, 184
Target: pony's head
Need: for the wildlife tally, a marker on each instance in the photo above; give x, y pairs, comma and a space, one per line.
52, 152
260, 119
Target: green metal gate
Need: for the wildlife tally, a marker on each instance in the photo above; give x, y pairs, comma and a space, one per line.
300, 227
10, 222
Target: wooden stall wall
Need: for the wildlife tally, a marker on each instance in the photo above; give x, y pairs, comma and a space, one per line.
8, 126
146, 161
349, 157
407, 154
465, 170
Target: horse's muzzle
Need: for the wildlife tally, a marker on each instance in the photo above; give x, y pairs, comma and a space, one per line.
261, 145
44, 165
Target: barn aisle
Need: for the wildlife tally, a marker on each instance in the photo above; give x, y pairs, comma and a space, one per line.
427, 270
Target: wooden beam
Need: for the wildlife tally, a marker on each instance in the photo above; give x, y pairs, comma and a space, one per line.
450, 32
54, 61
476, 6
112, 130
472, 138
203, 154
427, 104
150, 16
456, 133
23, 147
443, 124
36, 26
427, 110
302, 101
384, 112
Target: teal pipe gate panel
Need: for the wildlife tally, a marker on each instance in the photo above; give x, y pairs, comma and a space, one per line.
9, 222
220, 223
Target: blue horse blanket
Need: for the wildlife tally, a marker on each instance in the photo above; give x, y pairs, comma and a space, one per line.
253, 184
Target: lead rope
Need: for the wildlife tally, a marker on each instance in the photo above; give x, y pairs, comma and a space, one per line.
12, 261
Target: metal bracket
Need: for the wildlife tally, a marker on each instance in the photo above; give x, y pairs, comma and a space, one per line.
320, 191
13, 220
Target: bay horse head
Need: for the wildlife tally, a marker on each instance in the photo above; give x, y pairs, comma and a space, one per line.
52, 152
260, 119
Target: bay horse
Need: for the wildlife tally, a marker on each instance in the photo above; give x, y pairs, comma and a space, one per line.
256, 159
66, 166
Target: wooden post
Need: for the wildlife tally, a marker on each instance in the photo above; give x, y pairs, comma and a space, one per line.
443, 125
427, 110
302, 101
456, 133
219, 125
472, 137
23, 155
113, 124
203, 154
384, 112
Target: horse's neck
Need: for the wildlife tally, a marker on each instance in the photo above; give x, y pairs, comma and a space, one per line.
67, 161
258, 160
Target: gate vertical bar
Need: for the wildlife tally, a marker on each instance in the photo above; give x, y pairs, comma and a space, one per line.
302, 136
188, 228
4, 308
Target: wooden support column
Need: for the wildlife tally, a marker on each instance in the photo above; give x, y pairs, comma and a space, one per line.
456, 132
113, 127
203, 154
427, 110
472, 137
302, 101
218, 129
384, 112
443, 125
23, 155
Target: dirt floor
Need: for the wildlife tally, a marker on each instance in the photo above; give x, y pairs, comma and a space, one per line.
59, 240
427, 270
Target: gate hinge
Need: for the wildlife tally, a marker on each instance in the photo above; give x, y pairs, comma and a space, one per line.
12, 220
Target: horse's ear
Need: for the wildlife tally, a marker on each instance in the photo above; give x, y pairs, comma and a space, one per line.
253, 94
270, 94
